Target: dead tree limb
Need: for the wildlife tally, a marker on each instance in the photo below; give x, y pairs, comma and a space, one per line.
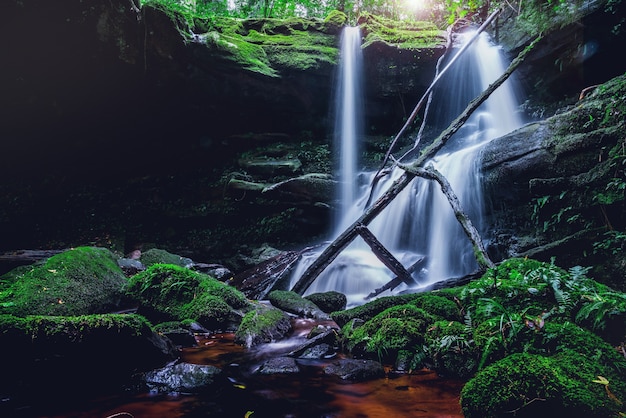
397, 281
484, 262
384, 255
345, 238
425, 96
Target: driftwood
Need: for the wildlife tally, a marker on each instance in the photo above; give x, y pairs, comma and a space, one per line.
384, 255
27, 256
396, 281
431, 173
344, 239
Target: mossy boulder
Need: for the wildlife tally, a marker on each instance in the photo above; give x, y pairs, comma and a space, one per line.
328, 301
293, 303
262, 325
78, 353
530, 385
438, 305
159, 256
79, 281
370, 309
167, 292
397, 328
451, 349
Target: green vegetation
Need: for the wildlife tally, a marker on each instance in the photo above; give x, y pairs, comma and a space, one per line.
521, 319
407, 35
167, 292
532, 16
263, 324
529, 385
80, 281
158, 256
72, 329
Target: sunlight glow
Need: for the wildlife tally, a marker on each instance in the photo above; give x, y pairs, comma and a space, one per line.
414, 5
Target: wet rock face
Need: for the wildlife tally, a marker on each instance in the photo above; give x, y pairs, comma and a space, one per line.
551, 186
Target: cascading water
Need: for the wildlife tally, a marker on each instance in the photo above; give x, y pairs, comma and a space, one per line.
420, 221
348, 120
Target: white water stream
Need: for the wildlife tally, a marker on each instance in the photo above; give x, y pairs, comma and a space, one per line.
420, 221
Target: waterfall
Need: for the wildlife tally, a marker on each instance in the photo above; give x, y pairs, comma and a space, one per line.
348, 118
420, 222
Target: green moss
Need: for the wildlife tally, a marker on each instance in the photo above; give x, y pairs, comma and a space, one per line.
169, 292
404, 34
370, 309
336, 18
438, 305
533, 385
262, 324
80, 281
72, 329
157, 256
266, 46
396, 328
451, 349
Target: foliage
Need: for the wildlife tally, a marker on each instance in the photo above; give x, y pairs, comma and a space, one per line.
451, 349
80, 281
169, 292
533, 385
72, 329
393, 329
408, 35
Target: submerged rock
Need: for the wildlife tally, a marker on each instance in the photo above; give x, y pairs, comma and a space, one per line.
359, 370
279, 365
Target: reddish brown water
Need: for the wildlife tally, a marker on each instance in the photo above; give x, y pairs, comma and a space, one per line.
306, 394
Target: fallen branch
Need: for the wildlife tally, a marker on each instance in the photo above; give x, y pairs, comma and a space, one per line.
484, 262
396, 281
344, 239
424, 97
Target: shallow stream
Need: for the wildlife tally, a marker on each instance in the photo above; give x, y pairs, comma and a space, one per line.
309, 393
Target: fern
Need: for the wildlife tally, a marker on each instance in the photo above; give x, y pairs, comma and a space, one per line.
600, 308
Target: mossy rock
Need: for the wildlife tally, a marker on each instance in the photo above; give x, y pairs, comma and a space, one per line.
79, 281
328, 301
158, 256
451, 349
56, 353
398, 328
529, 385
412, 35
262, 325
370, 309
438, 305
293, 303
167, 292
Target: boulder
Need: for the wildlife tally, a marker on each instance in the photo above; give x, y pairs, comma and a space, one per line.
279, 365
262, 325
293, 303
355, 370
183, 377
79, 281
